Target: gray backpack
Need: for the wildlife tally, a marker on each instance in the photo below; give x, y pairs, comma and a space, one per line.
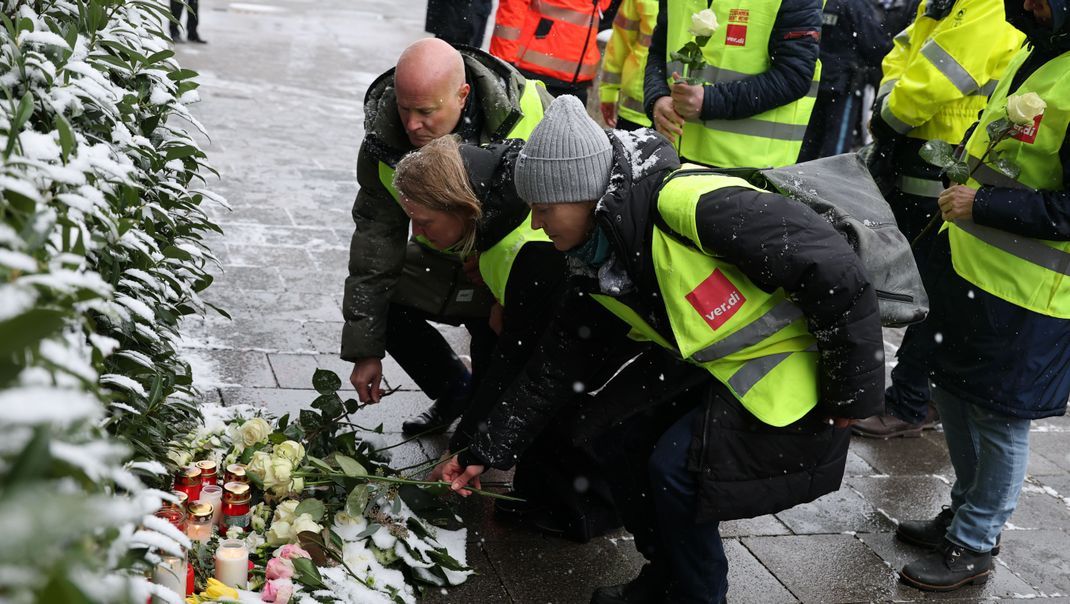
841, 189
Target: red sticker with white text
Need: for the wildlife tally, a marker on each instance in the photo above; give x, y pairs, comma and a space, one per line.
735, 35
716, 299
1028, 134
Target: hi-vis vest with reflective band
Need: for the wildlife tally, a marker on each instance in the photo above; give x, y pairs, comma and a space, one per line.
624, 62
531, 115
738, 49
496, 263
554, 38
940, 72
754, 342
1031, 273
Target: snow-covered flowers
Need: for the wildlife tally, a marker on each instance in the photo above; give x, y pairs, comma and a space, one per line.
1022, 109
703, 24
275, 470
286, 525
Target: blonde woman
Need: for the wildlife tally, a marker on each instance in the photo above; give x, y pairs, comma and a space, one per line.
461, 198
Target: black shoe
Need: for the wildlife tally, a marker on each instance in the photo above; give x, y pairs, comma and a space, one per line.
650, 587
438, 418
197, 39
949, 569
931, 533
514, 510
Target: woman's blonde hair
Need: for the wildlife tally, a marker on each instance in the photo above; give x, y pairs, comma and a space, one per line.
434, 177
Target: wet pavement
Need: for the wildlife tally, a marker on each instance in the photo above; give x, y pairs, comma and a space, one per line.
282, 84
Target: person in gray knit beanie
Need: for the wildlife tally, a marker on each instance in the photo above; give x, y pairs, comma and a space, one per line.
566, 159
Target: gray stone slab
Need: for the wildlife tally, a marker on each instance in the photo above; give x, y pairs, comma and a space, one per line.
1053, 446
279, 304
265, 255
249, 214
325, 337
904, 497
840, 512
898, 456
1003, 583
553, 570
1039, 558
268, 335
856, 466
229, 368
310, 238
1058, 483
336, 257
294, 370
749, 582
329, 281
754, 527
825, 568
1038, 509
247, 278
1059, 423
323, 215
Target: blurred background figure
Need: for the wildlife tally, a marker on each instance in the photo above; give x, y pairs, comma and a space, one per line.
458, 21
551, 40
852, 46
192, 19
624, 65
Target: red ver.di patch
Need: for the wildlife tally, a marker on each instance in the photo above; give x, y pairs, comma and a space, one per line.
1028, 134
735, 35
716, 299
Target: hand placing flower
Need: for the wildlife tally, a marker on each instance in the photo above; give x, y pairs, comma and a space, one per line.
1022, 109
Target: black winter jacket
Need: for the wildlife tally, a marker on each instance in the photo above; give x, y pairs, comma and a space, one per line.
852, 44
793, 51
777, 242
991, 352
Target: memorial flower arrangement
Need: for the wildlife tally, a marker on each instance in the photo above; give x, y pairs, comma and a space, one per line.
334, 522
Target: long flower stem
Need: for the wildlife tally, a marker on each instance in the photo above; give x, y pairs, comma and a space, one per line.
395, 480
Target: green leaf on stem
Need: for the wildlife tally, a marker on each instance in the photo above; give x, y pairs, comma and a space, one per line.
326, 381
306, 573
958, 172
357, 500
312, 507
350, 466
938, 153
330, 405
998, 129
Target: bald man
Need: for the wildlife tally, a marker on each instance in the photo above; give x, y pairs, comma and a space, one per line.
396, 287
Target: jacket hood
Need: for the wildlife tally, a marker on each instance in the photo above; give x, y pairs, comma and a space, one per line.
641, 161
496, 88
1055, 36
490, 172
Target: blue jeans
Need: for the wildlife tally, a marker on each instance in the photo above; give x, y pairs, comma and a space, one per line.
990, 452
699, 568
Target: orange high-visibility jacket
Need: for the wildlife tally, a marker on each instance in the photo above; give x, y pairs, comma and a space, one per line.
554, 38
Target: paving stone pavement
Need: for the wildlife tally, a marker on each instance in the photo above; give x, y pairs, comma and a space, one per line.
282, 84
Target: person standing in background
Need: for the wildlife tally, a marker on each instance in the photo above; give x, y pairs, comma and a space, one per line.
192, 19
458, 21
624, 65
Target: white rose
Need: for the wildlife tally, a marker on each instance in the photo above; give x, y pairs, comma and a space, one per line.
285, 511
297, 484
304, 523
181, 458
235, 532
1022, 109
290, 450
703, 24
280, 469
280, 533
254, 431
348, 526
261, 467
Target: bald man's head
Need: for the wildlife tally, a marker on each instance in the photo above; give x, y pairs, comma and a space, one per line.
431, 90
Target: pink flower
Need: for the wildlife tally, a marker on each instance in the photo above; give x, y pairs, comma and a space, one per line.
277, 591
279, 568
291, 551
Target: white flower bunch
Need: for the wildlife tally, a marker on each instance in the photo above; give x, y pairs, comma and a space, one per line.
286, 524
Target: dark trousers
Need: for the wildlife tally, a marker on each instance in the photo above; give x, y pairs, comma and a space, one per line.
191, 18
425, 355
628, 125
909, 394
835, 124
458, 21
645, 460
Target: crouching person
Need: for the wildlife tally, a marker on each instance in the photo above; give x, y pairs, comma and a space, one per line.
767, 326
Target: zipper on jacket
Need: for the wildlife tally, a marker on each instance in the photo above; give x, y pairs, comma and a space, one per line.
893, 296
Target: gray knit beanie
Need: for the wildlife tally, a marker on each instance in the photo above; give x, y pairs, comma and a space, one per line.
567, 158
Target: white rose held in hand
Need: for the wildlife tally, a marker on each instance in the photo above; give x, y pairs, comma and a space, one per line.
703, 24
1022, 109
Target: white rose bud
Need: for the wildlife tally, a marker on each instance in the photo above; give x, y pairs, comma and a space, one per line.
290, 450
260, 466
1022, 109
254, 431
284, 512
703, 24
304, 523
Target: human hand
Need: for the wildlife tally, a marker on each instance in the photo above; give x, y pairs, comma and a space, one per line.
367, 378
471, 269
497, 318
609, 114
957, 202
436, 473
459, 477
687, 98
666, 120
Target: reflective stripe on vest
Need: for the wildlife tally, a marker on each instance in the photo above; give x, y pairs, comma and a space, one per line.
540, 59
1028, 272
738, 49
496, 263
753, 341
947, 65
922, 187
506, 33
625, 23
633, 110
561, 13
